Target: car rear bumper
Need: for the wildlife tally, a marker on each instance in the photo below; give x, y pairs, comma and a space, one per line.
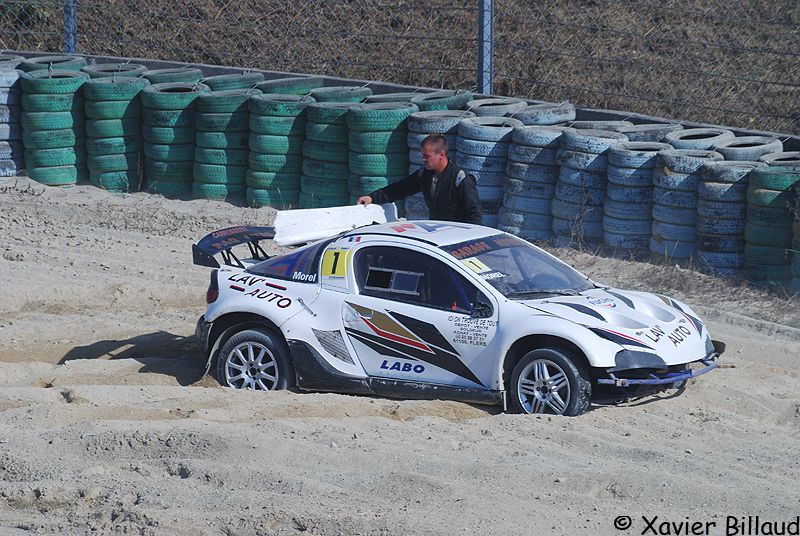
201, 333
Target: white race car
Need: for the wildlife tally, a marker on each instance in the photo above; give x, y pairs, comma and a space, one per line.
436, 310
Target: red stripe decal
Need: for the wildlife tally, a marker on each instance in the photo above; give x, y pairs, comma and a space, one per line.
273, 285
234, 287
396, 338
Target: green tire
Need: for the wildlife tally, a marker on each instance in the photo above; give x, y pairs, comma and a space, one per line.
113, 128
223, 140
325, 170
114, 89
379, 165
234, 157
326, 132
328, 112
769, 198
277, 126
379, 116
225, 102
55, 63
233, 122
777, 217
214, 174
324, 187
218, 192
35, 102
168, 188
284, 145
780, 178
340, 93
272, 181
172, 96
51, 139
327, 152
65, 156
52, 120
275, 163
359, 185
168, 171
109, 146
58, 175
117, 181
768, 235
169, 118
113, 109
313, 200
224, 82
768, 275
278, 199
57, 82
173, 74
755, 254
115, 70
292, 86
395, 141
278, 105
170, 152
114, 162
168, 135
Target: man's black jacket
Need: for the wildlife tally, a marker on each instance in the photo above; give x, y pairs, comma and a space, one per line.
455, 196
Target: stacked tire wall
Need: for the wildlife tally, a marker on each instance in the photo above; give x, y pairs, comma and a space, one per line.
114, 132
326, 153
277, 128
53, 126
11, 148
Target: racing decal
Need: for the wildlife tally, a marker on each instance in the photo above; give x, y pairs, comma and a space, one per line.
619, 338
402, 367
334, 262
470, 250
601, 302
694, 321
622, 298
474, 264
306, 278
473, 331
251, 280
262, 294
281, 301
679, 335
582, 309
655, 333
396, 335
427, 227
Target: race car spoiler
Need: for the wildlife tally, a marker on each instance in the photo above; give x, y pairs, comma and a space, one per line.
222, 241
710, 362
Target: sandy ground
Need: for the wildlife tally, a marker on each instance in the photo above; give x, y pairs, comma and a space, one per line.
107, 425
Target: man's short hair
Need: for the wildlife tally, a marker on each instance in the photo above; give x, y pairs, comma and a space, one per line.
437, 142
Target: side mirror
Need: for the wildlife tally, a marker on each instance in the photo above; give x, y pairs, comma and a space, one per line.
481, 310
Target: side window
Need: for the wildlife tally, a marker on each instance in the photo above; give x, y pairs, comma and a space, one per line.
409, 276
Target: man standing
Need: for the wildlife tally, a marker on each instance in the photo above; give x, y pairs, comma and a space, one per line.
450, 192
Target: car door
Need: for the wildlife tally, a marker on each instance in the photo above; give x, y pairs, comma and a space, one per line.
414, 317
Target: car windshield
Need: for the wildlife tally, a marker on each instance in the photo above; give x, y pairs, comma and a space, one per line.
517, 269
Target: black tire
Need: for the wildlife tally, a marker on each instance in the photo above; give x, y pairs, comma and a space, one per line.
265, 344
575, 384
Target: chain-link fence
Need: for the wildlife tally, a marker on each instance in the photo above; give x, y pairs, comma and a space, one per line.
731, 63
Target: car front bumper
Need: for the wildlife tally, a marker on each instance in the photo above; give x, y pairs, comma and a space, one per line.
201, 333
710, 362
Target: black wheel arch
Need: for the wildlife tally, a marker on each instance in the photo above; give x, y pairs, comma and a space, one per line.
227, 325
532, 342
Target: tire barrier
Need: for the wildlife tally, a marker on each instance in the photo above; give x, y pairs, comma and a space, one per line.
174, 74
769, 229
403, 96
340, 93
326, 156
721, 213
648, 131
54, 141
377, 137
748, 148
546, 113
529, 186
628, 207
114, 70
221, 148
496, 107
115, 162
275, 162
485, 136
581, 186
52, 63
297, 85
420, 125
698, 138
169, 132
786, 158
442, 100
12, 159
675, 183
599, 125
245, 80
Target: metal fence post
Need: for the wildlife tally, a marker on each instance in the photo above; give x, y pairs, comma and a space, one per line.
485, 15
70, 26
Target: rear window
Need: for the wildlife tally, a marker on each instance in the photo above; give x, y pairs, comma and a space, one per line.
301, 265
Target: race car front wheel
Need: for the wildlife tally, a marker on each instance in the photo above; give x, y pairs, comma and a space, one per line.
549, 380
255, 359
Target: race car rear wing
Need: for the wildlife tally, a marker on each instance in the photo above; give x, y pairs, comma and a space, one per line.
224, 240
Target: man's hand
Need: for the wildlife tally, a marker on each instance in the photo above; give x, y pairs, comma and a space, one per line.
364, 200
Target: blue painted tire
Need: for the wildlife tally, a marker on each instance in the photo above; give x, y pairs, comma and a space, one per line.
720, 244
648, 132
437, 121
585, 229
671, 180
720, 210
539, 190
446, 99
529, 220
580, 195
481, 163
686, 160
531, 235
582, 178
492, 149
698, 138
495, 107
628, 194
491, 195
633, 243
638, 178
527, 204
674, 215
628, 211
532, 155
590, 141
538, 136
602, 124
671, 231
577, 242
583, 161
720, 264
720, 227
532, 172
574, 212
722, 191
546, 113
671, 249
626, 226
748, 147
487, 128
636, 155
488, 178
674, 198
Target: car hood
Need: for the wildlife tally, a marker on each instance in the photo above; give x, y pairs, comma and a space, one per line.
635, 320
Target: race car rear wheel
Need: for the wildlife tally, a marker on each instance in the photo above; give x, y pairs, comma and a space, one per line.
549, 380
255, 359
